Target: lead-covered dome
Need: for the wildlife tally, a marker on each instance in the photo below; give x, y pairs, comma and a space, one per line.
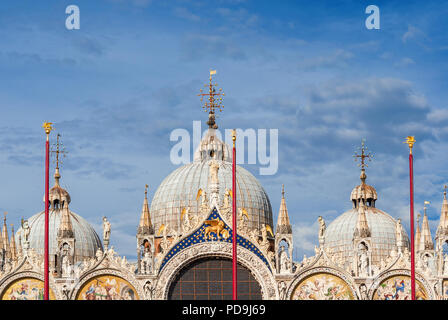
340, 233
86, 239
380, 227
180, 188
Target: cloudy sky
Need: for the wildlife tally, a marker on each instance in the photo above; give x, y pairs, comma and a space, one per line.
118, 86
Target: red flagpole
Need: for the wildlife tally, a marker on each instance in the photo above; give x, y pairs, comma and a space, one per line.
47, 127
411, 141
234, 258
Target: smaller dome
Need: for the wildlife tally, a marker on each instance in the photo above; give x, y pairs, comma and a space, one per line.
363, 192
58, 196
212, 148
87, 240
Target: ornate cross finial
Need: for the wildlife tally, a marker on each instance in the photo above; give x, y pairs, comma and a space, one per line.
213, 101
58, 149
363, 155
444, 189
146, 190
283, 190
4, 218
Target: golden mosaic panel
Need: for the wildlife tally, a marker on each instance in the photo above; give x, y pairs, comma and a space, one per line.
322, 286
26, 289
399, 288
107, 287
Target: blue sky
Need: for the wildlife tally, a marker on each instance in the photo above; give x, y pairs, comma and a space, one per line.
117, 87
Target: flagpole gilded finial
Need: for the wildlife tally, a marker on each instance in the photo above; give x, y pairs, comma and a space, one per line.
234, 137
47, 127
410, 140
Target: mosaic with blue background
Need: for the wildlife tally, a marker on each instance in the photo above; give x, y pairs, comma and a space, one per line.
198, 237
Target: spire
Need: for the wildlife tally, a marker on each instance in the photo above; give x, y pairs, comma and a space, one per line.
417, 234
444, 214
6, 238
145, 225
283, 224
425, 238
213, 101
13, 244
362, 229
65, 229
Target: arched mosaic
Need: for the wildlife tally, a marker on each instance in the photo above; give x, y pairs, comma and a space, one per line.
322, 286
107, 287
399, 288
26, 289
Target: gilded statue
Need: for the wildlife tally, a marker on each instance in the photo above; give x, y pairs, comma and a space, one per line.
215, 226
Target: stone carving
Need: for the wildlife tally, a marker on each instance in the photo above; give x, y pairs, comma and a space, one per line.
189, 221
149, 289
282, 290
205, 207
363, 291
165, 243
243, 217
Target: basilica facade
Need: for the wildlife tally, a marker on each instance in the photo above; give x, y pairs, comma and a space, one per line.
184, 245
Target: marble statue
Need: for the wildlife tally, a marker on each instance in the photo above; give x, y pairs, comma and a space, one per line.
146, 263
25, 234
322, 228
282, 290
363, 264
213, 172
445, 265
106, 231
66, 266
399, 234
284, 261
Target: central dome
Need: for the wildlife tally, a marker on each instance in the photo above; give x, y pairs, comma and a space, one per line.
179, 189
